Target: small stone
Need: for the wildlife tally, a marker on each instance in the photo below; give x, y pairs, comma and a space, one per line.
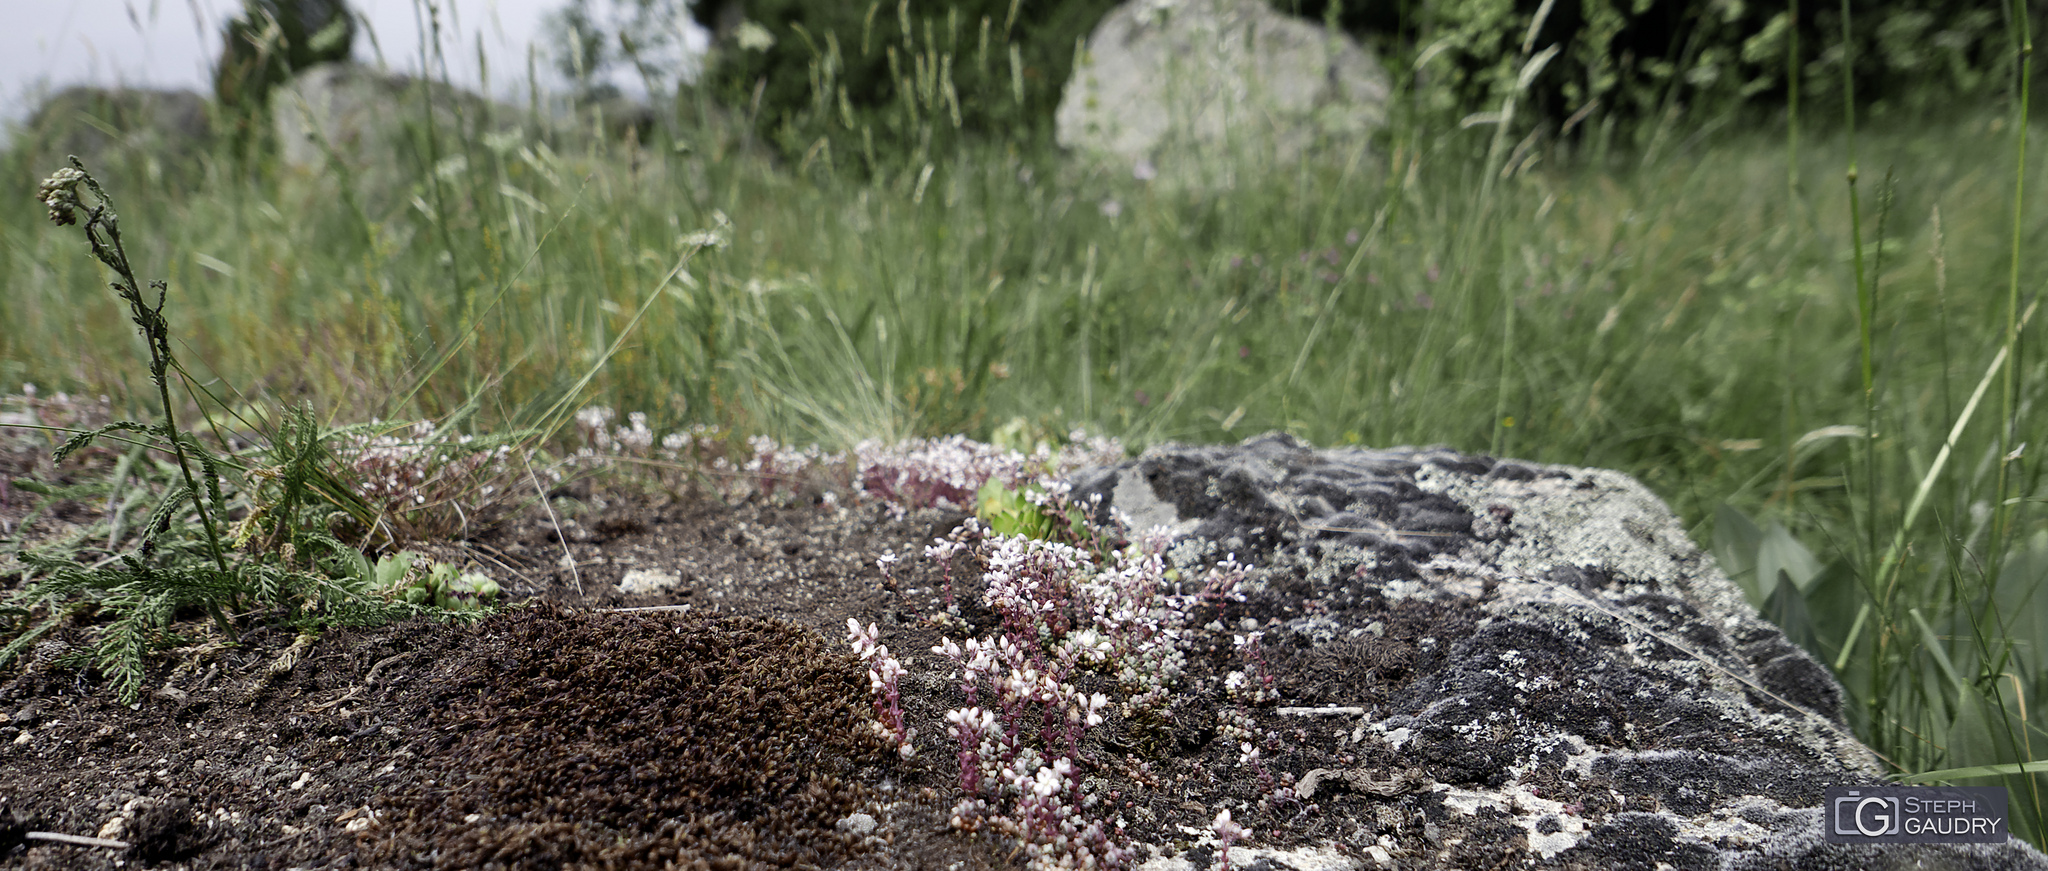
638, 581
859, 825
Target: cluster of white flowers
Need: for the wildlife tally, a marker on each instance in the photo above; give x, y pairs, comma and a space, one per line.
59, 193
947, 472
1257, 687
766, 467
934, 472
1061, 613
1030, 583
632, 439
1045, 808
1055, 833
409, 472
772, 463
918, 473
884, 670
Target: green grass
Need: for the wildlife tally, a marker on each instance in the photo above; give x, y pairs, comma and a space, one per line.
1680, 312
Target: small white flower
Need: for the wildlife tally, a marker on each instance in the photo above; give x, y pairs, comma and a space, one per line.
1227, 831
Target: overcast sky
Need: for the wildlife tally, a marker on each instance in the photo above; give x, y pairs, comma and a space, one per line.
47, 45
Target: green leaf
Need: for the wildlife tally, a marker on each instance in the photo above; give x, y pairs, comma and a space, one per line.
1009, 512
2022, 603
1736, 541
392, 568
1789, 609
1831, 604
2039, 766
1779, 556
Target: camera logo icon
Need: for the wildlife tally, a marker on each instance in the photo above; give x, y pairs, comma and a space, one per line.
1870, 816
1914, 815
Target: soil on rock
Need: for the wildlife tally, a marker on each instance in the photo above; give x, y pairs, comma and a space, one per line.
594, 727
677, 689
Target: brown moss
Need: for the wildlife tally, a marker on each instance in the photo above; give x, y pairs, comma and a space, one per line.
567, 738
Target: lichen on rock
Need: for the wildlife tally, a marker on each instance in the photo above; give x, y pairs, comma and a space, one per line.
1610, 699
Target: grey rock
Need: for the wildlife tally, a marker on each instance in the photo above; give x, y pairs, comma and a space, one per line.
858, 824
370, 126
646, 581
1178, 83
1608, 697
114, 128
364, 120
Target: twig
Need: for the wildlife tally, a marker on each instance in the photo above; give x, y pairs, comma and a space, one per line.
77, 840
557, 521
352, 693
498, 557
370, 679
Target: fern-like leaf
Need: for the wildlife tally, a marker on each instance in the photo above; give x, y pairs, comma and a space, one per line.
80, 441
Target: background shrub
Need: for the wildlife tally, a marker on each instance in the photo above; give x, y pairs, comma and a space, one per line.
896, 80
1638, 57
272, 39
903, 78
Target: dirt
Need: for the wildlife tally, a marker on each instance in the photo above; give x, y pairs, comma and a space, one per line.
721, 722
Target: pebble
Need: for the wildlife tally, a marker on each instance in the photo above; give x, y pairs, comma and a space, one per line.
859, 825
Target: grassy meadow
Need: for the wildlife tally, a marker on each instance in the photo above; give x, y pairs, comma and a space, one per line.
1683, 305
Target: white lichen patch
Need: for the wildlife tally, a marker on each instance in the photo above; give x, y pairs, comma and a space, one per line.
1733, 824
1324, 858
638, 581
1134, 497
1526, 809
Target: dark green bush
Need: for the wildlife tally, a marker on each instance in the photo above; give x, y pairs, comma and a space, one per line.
897, 80
1639, 57
272, 39
893, 80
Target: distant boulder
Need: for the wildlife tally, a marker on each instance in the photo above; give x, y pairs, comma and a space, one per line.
372, 125
1168, 81
115, 128
370, 121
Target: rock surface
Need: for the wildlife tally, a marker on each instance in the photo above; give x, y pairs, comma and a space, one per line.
1173, 81
360, 117
116, 125
1617, 702
371, 125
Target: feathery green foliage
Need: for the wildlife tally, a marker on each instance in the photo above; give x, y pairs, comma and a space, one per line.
285, 564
